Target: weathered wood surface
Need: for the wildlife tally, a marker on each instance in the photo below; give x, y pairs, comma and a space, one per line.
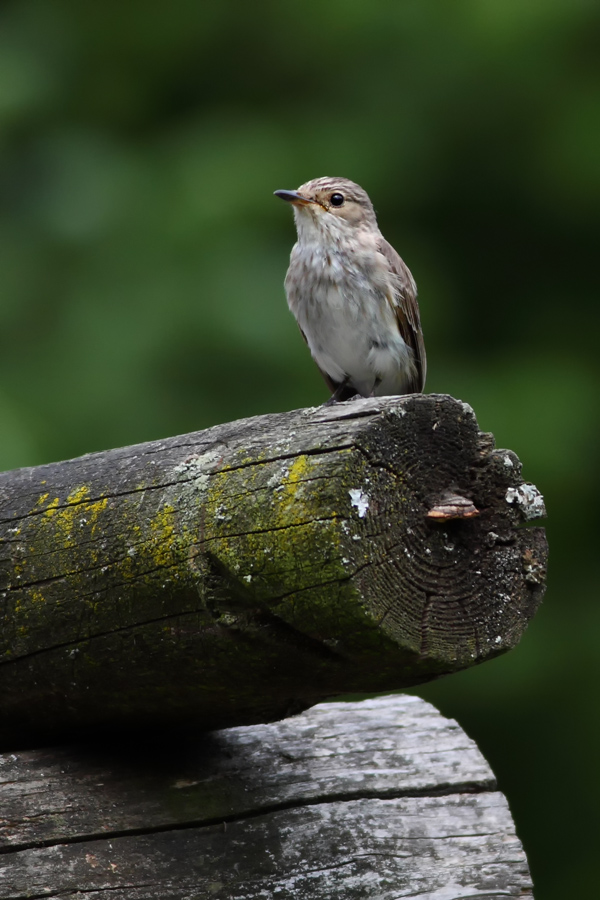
242, 573
381, 799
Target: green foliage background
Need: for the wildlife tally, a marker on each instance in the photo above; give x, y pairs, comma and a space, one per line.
142, 257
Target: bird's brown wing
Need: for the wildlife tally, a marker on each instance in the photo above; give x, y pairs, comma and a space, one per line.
407, 313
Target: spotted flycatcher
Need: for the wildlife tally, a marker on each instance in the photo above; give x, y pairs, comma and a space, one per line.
352, 296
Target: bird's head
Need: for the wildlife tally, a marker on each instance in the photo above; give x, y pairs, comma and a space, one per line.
330, 205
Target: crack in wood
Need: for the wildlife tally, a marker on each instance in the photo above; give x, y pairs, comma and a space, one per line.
80, 640
441, 790
181, 481
226, 535
145, 572
262, 609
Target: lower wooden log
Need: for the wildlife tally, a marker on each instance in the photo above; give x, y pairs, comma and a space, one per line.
381, 799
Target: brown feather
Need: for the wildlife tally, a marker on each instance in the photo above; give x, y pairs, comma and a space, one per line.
407, 313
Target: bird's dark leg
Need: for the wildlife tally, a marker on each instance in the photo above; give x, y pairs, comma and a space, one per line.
376, 384
338, 394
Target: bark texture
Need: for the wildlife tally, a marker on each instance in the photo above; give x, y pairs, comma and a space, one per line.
381, 799
246, 572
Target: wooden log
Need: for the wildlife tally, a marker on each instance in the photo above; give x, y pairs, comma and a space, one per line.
243, 573
383, 799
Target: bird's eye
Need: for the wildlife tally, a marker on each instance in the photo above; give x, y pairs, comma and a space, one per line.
336, 199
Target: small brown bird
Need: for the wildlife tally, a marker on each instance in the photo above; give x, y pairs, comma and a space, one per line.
352, 296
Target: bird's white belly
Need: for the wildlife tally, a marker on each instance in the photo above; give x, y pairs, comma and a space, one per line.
354, 336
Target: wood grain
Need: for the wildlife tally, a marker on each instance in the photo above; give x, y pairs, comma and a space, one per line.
382, 799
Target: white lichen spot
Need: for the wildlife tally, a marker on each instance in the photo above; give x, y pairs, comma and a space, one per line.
528, 499
449, 548
274, 481
498, 640
508, 462
248, 578
221, 515
356, 537
131, 552
197, 469
360, 500
534, 571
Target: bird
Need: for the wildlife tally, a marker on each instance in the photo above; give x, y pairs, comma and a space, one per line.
351, 294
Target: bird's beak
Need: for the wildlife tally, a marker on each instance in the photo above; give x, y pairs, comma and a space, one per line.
293, 197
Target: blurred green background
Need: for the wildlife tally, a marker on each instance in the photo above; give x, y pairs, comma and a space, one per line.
142, 256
